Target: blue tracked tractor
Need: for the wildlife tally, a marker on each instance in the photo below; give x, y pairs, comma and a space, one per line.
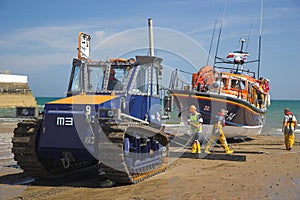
111, 117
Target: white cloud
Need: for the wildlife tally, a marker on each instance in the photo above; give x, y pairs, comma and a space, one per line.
49, 37
36, 62
164, 39
37, 49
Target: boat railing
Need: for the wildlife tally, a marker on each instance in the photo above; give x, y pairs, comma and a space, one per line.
238, 71
255, 98
177, 83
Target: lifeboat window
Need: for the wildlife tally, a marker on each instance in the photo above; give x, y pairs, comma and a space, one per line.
219, 83
242, 85
224, 80
238, 84
234, 83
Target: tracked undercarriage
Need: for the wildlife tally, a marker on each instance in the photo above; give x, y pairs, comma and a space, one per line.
25, 150
133, 152
119, 158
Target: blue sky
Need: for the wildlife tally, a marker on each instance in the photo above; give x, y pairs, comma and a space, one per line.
39, 38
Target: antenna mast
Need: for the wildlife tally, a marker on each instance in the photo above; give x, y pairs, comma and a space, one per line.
220, 34
259, 42
248, 37
211, 42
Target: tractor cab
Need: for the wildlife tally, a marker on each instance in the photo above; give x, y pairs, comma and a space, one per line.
100, 92
134, 86
98, 77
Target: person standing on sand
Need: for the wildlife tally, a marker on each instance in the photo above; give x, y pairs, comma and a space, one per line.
288, 128
218, 131
195, 120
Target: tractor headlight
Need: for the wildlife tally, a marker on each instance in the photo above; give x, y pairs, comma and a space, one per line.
25, 111
110, 113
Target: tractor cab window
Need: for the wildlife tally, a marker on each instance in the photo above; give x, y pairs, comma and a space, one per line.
102, 78
98, 77
141, 82
95, 78
76, 80
117, 79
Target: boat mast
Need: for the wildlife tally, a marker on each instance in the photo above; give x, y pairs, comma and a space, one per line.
211, 43
217, 48
259, 42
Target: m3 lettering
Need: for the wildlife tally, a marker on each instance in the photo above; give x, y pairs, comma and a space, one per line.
64, 121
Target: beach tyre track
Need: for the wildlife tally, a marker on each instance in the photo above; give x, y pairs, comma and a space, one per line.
41, 194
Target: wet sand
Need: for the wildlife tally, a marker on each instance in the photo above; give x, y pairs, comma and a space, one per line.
269, 172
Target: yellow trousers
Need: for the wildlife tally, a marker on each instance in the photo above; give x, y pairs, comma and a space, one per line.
289, 140
222, 139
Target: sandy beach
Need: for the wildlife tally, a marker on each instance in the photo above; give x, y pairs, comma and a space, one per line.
268, 172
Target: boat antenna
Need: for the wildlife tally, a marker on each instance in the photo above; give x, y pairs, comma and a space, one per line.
221, 26
211, 42
248, 39
259, 42
242, 45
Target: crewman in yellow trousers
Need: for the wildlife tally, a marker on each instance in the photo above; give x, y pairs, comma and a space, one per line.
218, 132
195, 120
288, 128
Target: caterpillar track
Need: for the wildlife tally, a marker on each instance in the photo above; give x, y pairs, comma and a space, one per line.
25, 150
120, 165
115, 161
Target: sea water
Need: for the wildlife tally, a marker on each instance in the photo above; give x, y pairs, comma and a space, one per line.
274, 116
41, 101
